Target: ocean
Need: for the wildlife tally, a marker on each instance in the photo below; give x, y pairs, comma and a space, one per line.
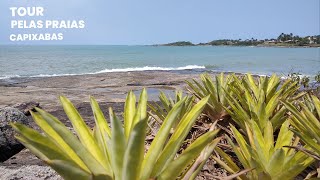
45, 61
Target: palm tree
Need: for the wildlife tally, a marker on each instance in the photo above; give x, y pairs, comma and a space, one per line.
280, 38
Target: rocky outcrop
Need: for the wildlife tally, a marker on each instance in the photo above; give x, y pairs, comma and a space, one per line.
9, 146
29, 172
26, 107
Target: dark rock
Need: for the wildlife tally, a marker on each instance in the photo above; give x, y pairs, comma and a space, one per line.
165, 84
26, 107
134, 84
9, 146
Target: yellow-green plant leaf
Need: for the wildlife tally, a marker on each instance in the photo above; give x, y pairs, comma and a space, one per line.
118, 145
175, 168
203, 158
276, 163
308, 140
260, 145
272, 104
268, 138
316, 104
84, 133
41, 120
230, 166
165, 101
41, 143
252, 84
178, 136
102, 130
100, 120
311, 122
69, 171
141, 112
129, 113
245, 161
92, 164
292, 171
159, 141
278, 119
196, 91
102, 142
134, 153
241, 142
37, 152
284, 136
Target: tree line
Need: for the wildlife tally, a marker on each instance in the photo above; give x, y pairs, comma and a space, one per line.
282, 40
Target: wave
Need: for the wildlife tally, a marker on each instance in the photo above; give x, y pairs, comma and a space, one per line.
150, 68
145, 68
9, 76
54, 75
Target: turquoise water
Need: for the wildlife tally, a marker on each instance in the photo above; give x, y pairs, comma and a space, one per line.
37, 61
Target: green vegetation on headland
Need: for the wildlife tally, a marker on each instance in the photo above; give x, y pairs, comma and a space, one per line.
283, 40
180, 43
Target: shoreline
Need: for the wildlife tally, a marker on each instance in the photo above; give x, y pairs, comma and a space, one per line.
5, 80
106, 87
17, 79
163, 45
257, 46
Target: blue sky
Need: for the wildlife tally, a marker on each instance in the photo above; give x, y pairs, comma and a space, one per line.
151, 22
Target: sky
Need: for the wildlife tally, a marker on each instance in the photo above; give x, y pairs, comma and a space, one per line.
143, 22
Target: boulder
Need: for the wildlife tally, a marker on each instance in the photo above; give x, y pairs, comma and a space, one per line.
9, 146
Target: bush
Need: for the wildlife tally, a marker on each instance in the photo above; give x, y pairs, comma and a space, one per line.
117, 152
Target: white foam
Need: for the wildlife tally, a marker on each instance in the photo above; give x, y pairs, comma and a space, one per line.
145, 68
148, 68
9, 76
53, 75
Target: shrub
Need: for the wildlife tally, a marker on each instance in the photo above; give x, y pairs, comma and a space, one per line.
264, 156
216, 90
306, 122
160, 111
259, 100
117, 152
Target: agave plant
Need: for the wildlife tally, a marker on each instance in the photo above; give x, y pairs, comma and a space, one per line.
160, 111
217, 91
311, 102
117, 152
317, 77
266, 157
306, 123
260, 100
